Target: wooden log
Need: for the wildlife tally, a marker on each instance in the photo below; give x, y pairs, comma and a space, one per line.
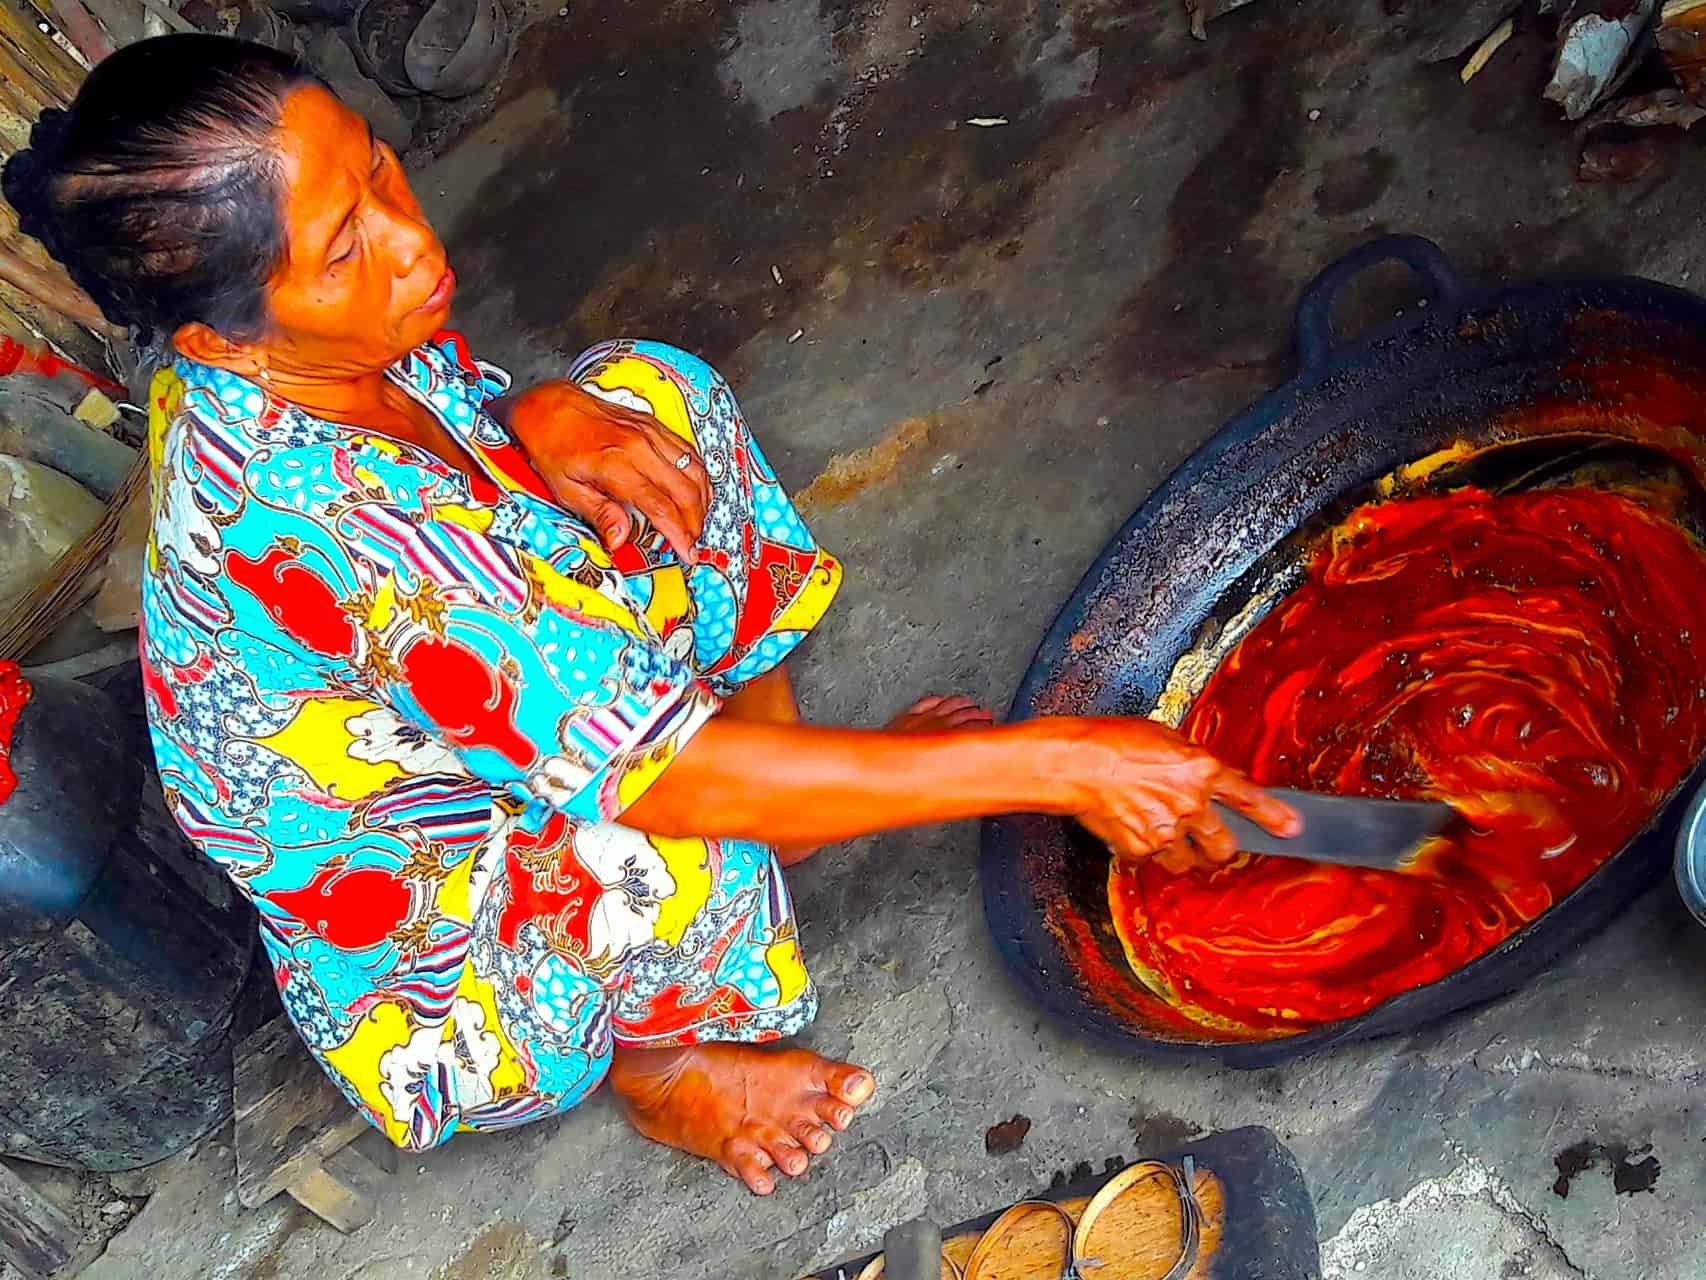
290, 1117
343, 1190
36, 1237
51, 287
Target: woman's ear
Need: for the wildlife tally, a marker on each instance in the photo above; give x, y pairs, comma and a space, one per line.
205, 346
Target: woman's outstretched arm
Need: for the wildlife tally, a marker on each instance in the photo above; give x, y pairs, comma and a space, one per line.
1134, 783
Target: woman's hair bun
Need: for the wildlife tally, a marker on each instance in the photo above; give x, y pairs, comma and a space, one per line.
48, 133
27, 174
158, 190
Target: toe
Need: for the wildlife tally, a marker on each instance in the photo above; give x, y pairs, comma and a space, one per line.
852, 1085
834, 1112
788, 1155
750, 1163
814, 1138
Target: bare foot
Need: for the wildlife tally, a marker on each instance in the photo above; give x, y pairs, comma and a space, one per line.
933, 715
749, 1109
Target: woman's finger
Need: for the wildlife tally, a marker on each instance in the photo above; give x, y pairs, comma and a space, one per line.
1273, 816
1177, 858
673, 447
608, 517
1213, 842
967, 717
679, 472
955, 702
678, 527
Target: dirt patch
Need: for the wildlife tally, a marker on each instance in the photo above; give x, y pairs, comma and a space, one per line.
502, 1251
661, 195
1215, 292
1008, 1136
849, 474
1157, 1131
1352, 183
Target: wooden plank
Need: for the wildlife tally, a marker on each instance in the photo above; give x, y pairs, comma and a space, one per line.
290, 1116
53, 73
35, 1235
343, 1191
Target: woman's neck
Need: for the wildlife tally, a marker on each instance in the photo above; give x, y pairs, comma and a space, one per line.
370, 402
354, 400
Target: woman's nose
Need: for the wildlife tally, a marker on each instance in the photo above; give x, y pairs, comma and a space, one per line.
411, 238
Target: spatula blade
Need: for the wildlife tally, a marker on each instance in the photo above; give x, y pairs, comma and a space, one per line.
1350, 831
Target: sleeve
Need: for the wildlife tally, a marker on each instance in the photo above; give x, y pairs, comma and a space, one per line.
540, 683
762, 582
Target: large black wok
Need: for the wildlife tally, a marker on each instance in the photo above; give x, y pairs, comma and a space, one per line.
1557, 381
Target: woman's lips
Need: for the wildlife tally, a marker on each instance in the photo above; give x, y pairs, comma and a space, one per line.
440, 296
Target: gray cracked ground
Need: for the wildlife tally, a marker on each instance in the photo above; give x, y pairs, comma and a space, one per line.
1007, 336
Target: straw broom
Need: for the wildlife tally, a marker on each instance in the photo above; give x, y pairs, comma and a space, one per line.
69, 581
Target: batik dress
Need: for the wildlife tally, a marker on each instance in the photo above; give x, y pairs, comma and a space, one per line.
405, 707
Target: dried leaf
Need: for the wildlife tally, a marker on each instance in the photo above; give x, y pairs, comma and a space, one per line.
1446, 31
1682, 42
1604, 161
1007, 1137
1649, 110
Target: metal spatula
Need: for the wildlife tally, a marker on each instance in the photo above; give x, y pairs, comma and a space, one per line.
1350, 831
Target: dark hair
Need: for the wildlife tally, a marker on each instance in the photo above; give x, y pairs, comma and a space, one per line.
159, 189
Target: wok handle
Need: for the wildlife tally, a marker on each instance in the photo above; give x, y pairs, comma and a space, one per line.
1315, 338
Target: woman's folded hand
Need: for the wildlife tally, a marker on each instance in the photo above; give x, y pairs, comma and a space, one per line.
599, 458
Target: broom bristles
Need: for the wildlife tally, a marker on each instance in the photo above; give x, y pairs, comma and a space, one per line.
53, 599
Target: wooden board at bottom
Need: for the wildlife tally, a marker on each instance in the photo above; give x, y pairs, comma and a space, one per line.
1258, 1222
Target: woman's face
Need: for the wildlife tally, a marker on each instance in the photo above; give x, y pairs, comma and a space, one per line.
364, 278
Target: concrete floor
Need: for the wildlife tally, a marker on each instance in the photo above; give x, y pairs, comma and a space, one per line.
1006, 337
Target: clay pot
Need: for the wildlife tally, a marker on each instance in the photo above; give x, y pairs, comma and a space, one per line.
379, 34
458, 46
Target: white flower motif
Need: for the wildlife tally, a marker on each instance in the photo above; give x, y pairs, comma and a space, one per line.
622, 396
635, 881
679, 645
382, 736
414, 1077
184, 529
441, 1075
478, 1052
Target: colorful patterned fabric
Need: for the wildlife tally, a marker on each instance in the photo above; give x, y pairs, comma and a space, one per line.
404, 706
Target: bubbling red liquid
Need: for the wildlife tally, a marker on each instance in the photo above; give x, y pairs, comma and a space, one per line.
1537, 659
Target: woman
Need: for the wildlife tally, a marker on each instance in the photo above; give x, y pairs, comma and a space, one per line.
402, 693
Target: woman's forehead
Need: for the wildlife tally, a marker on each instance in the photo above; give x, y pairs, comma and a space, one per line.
324, 149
